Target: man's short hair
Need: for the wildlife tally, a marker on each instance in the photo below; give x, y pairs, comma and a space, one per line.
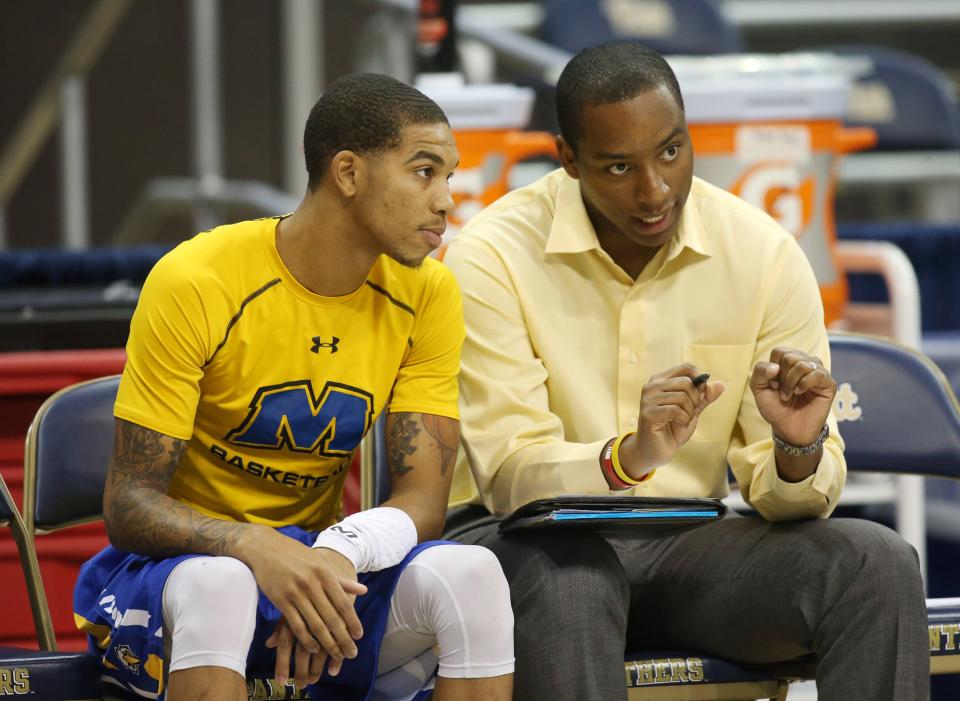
611, 72
363, 113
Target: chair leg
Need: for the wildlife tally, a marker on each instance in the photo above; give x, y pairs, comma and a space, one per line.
26, 549
782, 688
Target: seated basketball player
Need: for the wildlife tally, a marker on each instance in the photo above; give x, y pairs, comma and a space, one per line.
258, 357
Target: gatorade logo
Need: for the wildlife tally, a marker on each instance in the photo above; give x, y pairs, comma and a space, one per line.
776, 188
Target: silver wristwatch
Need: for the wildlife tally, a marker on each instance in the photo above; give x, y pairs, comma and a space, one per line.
798, 450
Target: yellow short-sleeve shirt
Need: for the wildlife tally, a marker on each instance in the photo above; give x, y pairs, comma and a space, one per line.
274, 386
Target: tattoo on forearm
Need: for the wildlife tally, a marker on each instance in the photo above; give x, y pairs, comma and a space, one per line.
444, 432
139, 515
402, 432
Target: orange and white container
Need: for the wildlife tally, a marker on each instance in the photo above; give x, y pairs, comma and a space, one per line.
770, 130
487, 121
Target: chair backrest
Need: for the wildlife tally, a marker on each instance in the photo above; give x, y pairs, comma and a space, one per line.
668, 26
896, 409
67, 455
911, 103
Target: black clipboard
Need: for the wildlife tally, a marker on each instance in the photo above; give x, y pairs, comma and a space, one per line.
621, 513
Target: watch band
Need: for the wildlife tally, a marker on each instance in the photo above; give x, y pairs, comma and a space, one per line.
798, 450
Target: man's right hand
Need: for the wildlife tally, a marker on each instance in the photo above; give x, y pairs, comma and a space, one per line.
314, 588
669, 408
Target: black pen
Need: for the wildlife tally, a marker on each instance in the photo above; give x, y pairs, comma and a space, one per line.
700, 379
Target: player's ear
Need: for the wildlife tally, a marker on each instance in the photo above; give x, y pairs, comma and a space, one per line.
344, 172
567, 157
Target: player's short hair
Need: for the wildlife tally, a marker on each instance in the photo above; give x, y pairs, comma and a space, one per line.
363, 113
611, 72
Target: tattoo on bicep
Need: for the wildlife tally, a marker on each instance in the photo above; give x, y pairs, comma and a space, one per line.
444, 432
144, 456
400, 444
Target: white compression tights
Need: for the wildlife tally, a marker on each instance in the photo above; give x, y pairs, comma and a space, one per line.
454, 597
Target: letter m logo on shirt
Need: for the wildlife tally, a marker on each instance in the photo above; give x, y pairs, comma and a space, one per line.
291, 416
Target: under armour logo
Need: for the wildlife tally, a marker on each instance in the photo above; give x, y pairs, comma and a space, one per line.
318, 343
845, 404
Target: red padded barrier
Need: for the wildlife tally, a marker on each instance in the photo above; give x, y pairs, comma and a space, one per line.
26, 380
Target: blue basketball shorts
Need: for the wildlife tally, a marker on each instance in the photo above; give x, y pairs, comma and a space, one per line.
118, 602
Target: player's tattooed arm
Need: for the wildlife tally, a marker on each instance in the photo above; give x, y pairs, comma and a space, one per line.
314, 596
446, 436
421, 450
139, 515
404, 428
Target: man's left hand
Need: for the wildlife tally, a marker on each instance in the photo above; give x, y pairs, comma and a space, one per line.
794, 393
308, 666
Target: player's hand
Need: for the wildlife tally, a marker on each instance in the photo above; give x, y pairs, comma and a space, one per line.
670, 405
794, 393
308, 666
314, 588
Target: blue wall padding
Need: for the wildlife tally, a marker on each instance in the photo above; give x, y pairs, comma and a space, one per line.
98, 266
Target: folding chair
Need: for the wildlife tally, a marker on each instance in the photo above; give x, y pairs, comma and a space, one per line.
69, 445
910, 102
692, 27
899, 415
45, 675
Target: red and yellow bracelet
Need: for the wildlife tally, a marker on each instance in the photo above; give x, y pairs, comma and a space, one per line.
612, 470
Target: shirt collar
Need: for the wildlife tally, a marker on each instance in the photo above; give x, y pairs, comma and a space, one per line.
573, 232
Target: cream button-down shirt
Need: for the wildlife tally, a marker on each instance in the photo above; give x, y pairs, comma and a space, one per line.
560, 342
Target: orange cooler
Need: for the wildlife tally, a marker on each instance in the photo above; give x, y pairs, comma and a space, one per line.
770, 129
487, 121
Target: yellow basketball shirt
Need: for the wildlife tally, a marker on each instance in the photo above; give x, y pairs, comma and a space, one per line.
273, 386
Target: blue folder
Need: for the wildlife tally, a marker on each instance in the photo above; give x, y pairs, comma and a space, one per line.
619, 512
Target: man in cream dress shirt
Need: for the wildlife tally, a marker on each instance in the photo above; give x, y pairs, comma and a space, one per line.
592, 299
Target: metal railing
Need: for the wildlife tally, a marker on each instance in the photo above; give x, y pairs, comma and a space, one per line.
61, 100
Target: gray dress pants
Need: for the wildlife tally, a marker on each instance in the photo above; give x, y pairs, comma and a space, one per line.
742, 588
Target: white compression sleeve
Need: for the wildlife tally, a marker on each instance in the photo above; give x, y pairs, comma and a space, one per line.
455, 597
209, 613
372, 540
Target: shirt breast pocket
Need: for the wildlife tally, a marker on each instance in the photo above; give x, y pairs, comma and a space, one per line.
732, 364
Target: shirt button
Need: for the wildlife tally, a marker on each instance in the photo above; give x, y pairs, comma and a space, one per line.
632, 358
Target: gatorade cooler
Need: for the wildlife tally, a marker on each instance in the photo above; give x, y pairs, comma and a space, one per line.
487, 121
770, 129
